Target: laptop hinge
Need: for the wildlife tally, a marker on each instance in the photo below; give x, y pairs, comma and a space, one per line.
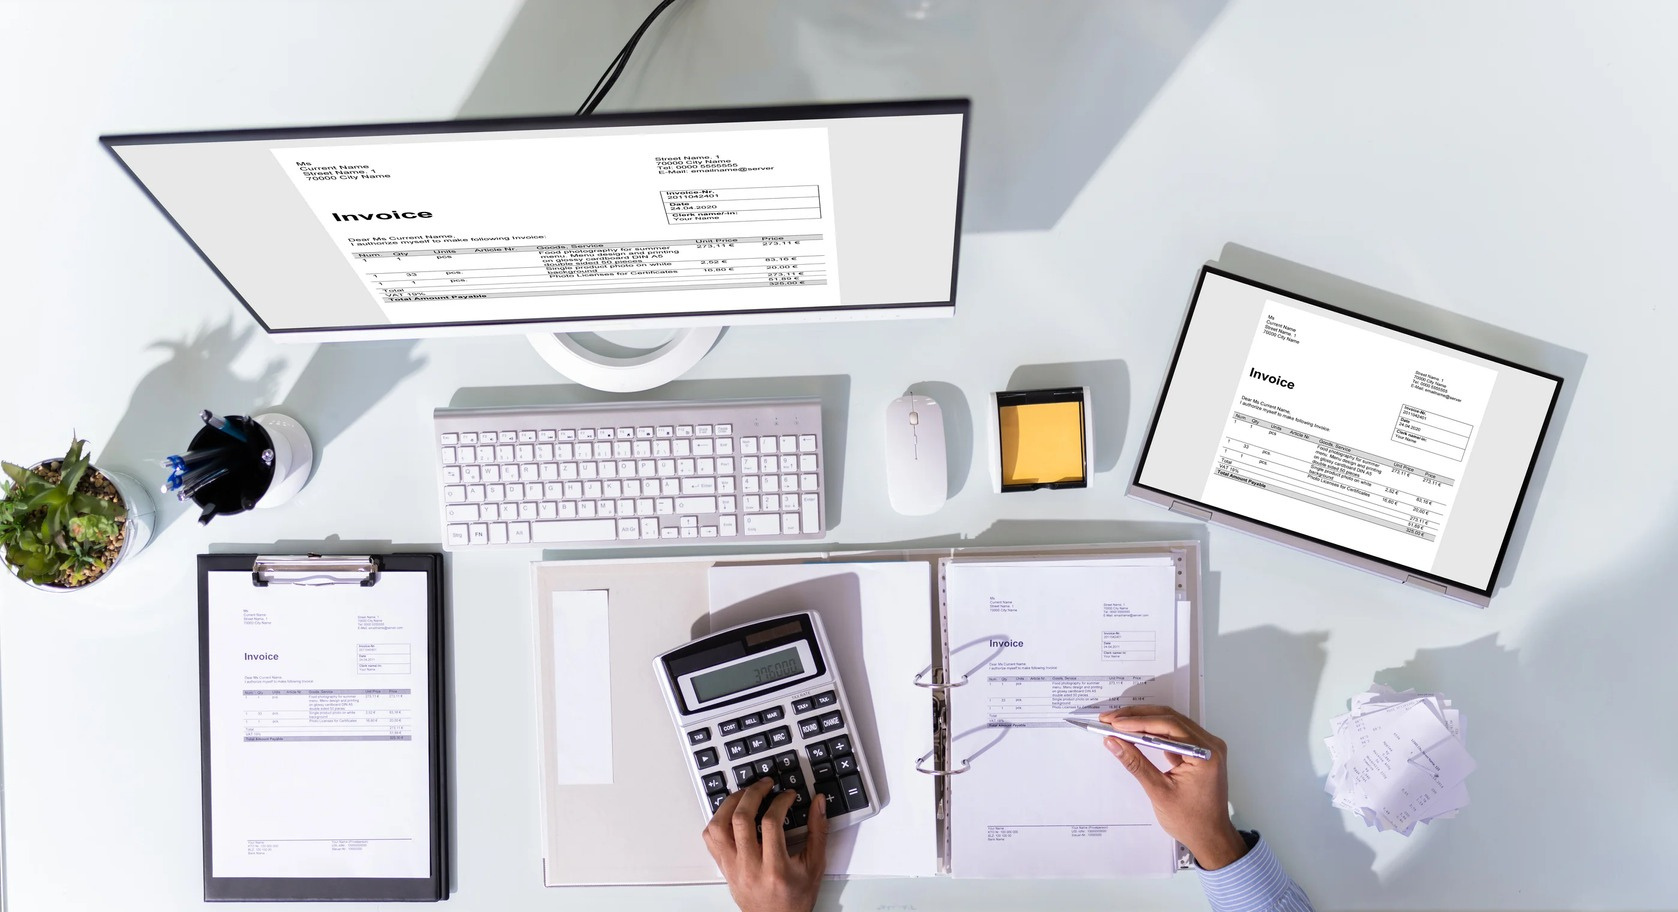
1178, 506
1430, 585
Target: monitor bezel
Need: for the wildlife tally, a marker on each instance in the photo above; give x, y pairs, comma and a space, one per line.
824, 111
1290, 536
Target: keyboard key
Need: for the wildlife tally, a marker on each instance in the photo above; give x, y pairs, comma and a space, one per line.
748, 485
856, 798
706, 758
699, 736
840, 746
699, 486
519, 533
507, 436
835, 796
766, 444
789, 502
744, 775
696, 505
763, 524
769, 484
725, 446
791, 780
809, 728
716, 799
725, 505
574, 531
730, 727
649, 528
546, 435
786, 760
567, 509
457, 534
820, 771
702, 446
764, 767
843, 765
707, 531
781, 737
803, 705
461, 512
789, 524
808, 482
714, 783
757, 744
664, 431
468, 436
454, 494
810, 513
817, 752
774, 714
669, 533
751, 721
799, 814
628, 530
807, 443
688, 524
451, 439
498, 533
832, 721
788, 464
789, 443
448, 455
681, 448
585, 510
825, 698
726, 526
737, 749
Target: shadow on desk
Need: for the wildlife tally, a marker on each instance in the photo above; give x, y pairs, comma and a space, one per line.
834, 390
1572, 803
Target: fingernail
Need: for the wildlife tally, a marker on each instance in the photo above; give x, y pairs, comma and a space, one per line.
821, 805
1112, 745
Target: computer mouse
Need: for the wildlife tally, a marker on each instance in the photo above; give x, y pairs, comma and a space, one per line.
916, 474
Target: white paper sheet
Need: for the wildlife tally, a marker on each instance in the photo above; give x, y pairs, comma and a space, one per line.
878, 619
1399, 759
582, 676
319, 730
1040, 641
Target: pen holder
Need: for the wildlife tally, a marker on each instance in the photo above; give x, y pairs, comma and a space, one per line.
250, 482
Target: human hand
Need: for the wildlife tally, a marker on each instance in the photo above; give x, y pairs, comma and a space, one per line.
1191, 799
764, 876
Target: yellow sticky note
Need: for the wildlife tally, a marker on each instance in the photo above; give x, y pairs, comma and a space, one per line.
1042, 443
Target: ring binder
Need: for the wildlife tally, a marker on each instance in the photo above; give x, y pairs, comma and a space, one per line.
315, 570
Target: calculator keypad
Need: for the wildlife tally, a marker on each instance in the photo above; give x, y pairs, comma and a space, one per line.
819, 732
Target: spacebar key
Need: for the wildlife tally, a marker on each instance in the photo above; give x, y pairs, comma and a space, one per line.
580, 530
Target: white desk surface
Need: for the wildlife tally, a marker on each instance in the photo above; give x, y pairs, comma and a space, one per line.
1509, 162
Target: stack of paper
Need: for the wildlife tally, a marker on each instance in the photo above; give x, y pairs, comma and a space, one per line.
1399, 759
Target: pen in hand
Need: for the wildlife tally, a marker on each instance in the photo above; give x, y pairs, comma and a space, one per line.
1143, 740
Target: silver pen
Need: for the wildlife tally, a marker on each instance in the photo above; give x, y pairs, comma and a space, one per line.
1164, 744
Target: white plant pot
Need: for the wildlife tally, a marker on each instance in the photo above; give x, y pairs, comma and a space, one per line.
137, 530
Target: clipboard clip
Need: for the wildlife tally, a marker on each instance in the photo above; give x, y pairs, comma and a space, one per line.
315, 570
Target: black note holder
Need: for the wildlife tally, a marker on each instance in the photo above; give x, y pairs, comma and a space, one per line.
346, 576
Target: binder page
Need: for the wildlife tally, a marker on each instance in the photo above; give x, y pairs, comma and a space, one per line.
319, 730
878, 619
1039, 642
582, 224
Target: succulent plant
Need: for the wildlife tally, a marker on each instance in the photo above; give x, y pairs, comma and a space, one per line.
55, 527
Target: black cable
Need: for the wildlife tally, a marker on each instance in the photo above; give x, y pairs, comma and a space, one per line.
604, 84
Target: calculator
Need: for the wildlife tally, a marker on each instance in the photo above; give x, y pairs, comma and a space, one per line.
763, 700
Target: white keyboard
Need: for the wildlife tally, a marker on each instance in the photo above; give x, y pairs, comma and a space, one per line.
631, 473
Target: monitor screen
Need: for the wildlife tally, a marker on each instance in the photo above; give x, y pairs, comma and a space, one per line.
1344, 431
574, 223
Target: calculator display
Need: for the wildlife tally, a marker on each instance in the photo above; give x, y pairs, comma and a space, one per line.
771, 666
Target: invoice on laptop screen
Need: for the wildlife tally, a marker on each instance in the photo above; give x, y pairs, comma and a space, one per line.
1378, 442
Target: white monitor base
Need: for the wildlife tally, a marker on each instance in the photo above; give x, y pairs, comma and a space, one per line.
626, 374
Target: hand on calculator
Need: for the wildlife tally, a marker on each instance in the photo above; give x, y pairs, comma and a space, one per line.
763, 876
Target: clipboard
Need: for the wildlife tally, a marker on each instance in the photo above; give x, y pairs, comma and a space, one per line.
392, 716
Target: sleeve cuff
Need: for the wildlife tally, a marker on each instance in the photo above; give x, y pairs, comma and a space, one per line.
1250, 879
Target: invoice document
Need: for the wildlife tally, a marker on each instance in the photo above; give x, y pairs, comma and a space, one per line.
319, 729
1037, 642
1346, 435
497, 228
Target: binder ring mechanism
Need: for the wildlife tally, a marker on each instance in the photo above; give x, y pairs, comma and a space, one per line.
920, 766
936, 684
315, 570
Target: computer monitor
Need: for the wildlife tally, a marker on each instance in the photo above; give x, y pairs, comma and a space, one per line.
688, 220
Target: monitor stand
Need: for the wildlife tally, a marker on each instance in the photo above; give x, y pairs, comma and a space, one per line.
626, 374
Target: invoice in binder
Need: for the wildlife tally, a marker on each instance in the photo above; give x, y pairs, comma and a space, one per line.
1032, 642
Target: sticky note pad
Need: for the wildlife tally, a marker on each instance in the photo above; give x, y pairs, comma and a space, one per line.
1042, 443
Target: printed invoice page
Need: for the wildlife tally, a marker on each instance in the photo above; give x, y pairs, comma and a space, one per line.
1367, 438
1037, 642
737, 216
319, 733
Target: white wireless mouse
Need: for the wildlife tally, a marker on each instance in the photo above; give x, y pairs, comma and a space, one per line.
916, 474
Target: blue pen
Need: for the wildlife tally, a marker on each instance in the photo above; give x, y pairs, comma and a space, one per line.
222, 425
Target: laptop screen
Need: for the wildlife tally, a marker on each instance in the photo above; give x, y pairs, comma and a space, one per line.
1347, 432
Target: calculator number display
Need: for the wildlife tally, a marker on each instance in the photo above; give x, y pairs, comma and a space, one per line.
760, 672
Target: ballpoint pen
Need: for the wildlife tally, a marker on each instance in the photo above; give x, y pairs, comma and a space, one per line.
1164, 744
223, 425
